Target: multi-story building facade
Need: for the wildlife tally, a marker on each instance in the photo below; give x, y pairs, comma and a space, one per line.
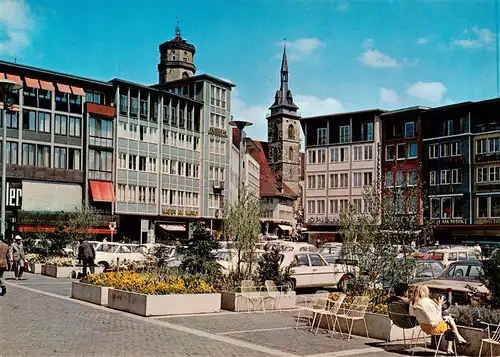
401, 164
60, 148
342, 156
447, 144
163, 149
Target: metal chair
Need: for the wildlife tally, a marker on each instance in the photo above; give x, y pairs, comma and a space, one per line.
356, 311
333, 307
280, 291
399, 317
315, 304
492, 339
427, 330
253, 297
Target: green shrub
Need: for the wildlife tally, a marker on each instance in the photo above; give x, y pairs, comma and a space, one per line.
473, 316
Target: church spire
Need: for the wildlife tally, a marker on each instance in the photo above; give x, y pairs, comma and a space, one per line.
178, 28
284, 62
283, 98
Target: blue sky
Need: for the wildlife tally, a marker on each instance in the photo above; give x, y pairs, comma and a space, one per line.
343, 55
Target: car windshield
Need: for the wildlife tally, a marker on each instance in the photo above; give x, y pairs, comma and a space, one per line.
461, 271
330, 259
429, 270
107, 248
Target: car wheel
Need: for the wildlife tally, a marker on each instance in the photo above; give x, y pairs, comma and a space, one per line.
289, 284
104, 265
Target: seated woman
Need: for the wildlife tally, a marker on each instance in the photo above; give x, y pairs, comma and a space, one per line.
430, 318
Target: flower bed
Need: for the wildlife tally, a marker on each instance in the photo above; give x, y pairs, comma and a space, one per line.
90, 293
150, 294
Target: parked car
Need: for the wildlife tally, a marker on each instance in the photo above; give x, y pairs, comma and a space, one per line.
449, 255
310, 269
457, 277
228, 259
330, 248
298, 247
108, 253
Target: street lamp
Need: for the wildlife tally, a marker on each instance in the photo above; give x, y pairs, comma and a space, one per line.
240, 124
6, 87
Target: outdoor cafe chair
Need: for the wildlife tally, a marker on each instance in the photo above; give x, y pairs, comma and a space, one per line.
316, 304
281, 292
356, 311
402, 319
251, 295
492, 339
331, 311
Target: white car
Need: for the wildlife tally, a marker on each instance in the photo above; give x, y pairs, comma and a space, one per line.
298, 247
108, 253
228, 259
310, 270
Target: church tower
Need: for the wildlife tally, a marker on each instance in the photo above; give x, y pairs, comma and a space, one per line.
283, 125
176, 59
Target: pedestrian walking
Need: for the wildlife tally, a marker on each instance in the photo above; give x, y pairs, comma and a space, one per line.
17, 257
4, 264
86, 255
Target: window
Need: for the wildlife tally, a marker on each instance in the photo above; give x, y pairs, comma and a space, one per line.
482, 174
334, 180
60, 122
43, 156
495, 206
412, 178
100, 132
433, 151
357, 179
290, 154
321, 156
122, 161
43, 122
121, 192
366, 131
456, 176
401, 151
435, 208
123, 103
432, 178
345, 135
482, 207
132, 162
357, 205
368, 152
142, 194
344, 180
446, 208
358, 153
74, 159
134, 106
400, 178
75, 126
311, 157
152, 164
412, 151
334, 206
144, 107
455, 149
311, 207
412, 204
321, 135
444, 150
173, 167
29, 120
152, 194
494, 145
142, 163
389, 179
389, 153
456, 205
291, 132
321, 181
11, 153
448, 127
311, 182
60, 158
409, 129
321, 206
12, 119
494, 173
367, 179
445, 177
100, 164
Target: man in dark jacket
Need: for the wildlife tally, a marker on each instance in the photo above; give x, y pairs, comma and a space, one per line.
4, 264
399, 297
86, 255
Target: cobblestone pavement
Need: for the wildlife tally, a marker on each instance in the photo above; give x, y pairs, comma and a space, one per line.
37, 318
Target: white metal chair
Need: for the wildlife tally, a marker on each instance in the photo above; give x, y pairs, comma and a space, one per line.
492, 339
356, 311
252, 296
332, 310
281, 292
315, 304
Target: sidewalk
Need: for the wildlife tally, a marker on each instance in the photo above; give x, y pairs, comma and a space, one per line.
38, 318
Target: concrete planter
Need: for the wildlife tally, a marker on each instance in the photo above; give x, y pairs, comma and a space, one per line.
380, 327
35, 268
60, 272
158, 305
235, 302
90, 293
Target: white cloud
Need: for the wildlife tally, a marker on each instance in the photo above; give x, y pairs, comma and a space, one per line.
309, 106
376, 59
342, 7
478, 38
422, 40
432, 92
302, 48
15, 24
389, 96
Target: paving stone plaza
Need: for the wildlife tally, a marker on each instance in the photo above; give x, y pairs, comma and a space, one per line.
38, 318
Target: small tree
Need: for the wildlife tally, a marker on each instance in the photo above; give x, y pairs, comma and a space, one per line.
196, 251
242, 225
269, 267
490, 278
81, 221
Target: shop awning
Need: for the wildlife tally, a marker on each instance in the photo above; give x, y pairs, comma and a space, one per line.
15, 78
102, 191
50, 229
32, 83
2, 76
47, 85
78, 91
173, 227
64, 88
284, 227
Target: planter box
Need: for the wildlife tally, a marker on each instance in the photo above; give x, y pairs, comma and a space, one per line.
158, 305
65, 272
90, 293
235, 302
35, 268
380, 327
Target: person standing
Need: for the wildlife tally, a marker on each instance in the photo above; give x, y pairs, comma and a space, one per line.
17, 257
4, 264
86, 255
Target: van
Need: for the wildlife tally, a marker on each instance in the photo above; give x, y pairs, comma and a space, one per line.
449, 255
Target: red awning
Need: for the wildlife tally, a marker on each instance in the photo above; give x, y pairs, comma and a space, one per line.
102, 191
64, 88
32, 83
50, 229
47, 85
173, 227
2, 76
78, 91
15, 78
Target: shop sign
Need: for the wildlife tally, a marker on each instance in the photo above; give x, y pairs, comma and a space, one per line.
489, 221
14, 195
454, 221
325, 220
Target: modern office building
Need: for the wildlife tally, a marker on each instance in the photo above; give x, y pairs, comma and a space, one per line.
342, 157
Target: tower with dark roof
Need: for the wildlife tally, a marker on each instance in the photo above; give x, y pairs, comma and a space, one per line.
283, 124
176, 59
